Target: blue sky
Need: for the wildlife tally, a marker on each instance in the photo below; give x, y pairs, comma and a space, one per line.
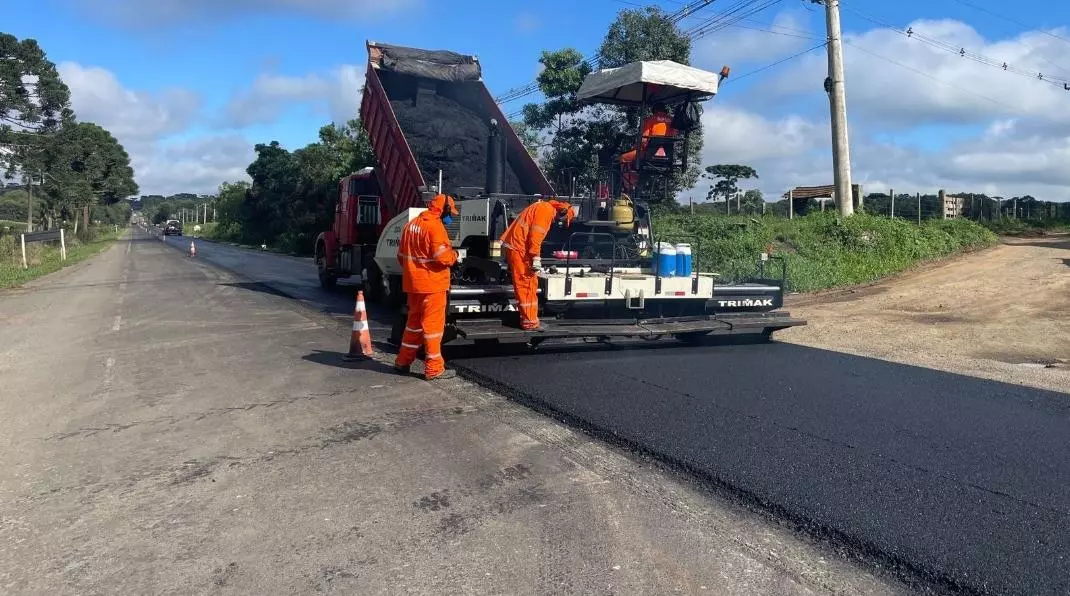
189, 85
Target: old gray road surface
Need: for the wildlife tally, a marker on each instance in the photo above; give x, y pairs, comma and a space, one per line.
964, 481
168, 428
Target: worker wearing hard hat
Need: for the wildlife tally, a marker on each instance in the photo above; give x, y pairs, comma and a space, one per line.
426, 256
523, 243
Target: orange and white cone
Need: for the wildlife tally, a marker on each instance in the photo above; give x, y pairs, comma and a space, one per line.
192, 249
360, 339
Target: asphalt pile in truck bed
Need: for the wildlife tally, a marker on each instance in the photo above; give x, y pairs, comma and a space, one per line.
444, 135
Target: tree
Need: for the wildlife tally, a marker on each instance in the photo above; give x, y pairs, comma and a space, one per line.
528, 136
753, 201
726, 177
583, 140
86, 165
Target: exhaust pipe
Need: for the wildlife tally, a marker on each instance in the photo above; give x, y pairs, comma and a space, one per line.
495, 159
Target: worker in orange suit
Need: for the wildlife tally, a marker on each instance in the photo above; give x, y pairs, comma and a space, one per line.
657, 124
523, 243
426, 255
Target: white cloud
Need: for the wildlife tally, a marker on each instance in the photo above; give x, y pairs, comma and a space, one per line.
902, 82
98, 96
745, 44
1023, 146
142, 122
335, 94
142, 14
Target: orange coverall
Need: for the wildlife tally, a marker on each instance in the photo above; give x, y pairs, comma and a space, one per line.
425, 255
523, 243
658, 124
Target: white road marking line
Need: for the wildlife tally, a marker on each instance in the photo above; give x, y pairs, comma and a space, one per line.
118, 321
129, 245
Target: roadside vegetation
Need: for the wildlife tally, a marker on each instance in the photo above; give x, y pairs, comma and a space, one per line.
1027, 227
45, 258
821, 250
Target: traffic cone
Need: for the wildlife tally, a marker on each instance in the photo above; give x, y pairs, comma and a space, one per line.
360, 339
192, 249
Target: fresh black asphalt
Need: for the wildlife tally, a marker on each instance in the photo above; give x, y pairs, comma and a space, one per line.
963, 481
960, 480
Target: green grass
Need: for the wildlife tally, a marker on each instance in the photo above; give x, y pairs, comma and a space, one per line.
8, 226
1024, 227
821, 250
46, 258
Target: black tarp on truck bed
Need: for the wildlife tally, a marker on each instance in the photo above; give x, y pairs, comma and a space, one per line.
444, 111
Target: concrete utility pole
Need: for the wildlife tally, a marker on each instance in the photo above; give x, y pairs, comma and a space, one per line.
891, 195
29, 203
834, 86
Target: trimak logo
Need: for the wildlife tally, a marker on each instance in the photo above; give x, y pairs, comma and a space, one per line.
473, 218
484, 308
746, 302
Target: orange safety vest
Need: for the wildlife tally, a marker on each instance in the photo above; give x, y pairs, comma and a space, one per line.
425, 255
657, 125
529, 229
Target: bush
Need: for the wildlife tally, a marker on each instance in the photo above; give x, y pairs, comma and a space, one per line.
821, 249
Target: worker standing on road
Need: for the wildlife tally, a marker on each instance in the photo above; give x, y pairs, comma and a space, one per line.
523, 243
426, 256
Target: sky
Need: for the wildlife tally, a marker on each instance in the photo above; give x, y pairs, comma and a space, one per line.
189, 86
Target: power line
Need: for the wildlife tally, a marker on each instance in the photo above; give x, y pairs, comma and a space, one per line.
963, 53
1011, 19
731, 16
520, 92
948, 84
779, 62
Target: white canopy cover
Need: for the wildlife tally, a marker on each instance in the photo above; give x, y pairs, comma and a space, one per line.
665, 81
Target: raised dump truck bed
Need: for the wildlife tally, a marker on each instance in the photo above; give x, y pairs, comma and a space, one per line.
427, 111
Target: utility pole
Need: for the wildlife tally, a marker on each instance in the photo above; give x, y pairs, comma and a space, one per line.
29, 203
834, 86
891, 195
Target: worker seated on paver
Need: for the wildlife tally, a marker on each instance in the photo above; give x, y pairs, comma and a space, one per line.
657, 124
522, 241
426, 255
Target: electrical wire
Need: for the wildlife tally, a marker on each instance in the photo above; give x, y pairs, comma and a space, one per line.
910, 33
593, 62
948, 84
1012, 20
778, 62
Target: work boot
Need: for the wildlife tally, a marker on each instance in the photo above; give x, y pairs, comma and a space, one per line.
403, 370
536, 327
446, 374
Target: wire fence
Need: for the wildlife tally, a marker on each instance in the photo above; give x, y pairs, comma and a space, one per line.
916, 207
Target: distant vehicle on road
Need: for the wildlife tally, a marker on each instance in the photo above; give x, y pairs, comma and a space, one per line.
173, 227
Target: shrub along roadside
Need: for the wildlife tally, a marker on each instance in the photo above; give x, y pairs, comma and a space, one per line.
46, 258
821, 250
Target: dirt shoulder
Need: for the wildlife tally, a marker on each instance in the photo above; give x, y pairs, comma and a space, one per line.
999, 314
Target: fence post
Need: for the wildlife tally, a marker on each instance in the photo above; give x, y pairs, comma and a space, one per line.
891, 195
791, 203
24, 265
919, 208
62, 245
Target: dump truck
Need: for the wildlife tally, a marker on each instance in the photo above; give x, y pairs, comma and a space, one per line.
434, 127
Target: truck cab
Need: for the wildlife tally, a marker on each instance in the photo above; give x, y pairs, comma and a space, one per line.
348, 249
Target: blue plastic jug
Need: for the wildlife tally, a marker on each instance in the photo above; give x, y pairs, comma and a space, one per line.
666, 255
683, 260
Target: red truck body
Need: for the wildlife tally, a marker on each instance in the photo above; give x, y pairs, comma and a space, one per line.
371, 198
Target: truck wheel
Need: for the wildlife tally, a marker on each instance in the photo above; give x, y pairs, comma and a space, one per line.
372, 280
327, 281
393, 295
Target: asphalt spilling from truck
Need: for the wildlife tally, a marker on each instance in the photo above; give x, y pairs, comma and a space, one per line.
949, 479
